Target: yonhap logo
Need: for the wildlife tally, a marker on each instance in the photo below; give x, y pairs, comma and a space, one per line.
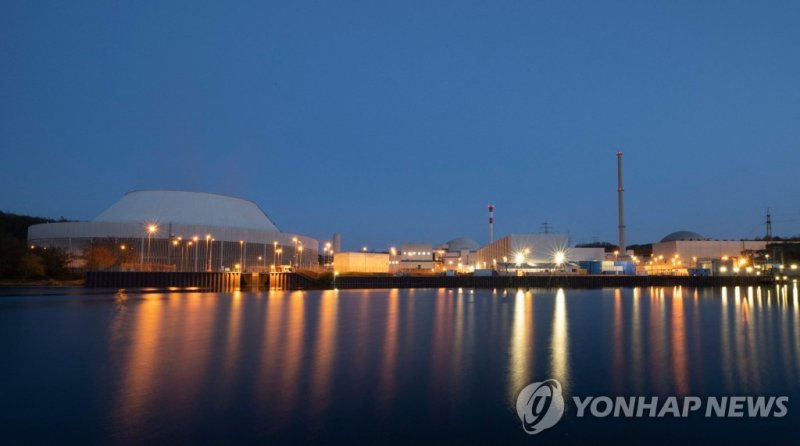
540, 406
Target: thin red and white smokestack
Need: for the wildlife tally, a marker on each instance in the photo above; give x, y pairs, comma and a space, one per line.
491, 223
621, 204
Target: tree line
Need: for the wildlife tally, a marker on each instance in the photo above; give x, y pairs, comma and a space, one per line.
20, 261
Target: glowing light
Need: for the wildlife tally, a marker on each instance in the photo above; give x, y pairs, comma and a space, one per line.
152, 229
723, 269
560, 257
519, 258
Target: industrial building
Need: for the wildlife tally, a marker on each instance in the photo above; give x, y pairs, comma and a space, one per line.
521, 248
416, 257
688, 245
166, 230
361, 262
458, 255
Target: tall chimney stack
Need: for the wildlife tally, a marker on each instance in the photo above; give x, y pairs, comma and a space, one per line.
491, 223
621, 203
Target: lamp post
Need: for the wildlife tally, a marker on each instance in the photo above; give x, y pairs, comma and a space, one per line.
241, 254
280, 255
180, 246
327, 252
120, 257
275, 253
300, 257
151, 229
196, 245
294, 255
188, 247
207, 263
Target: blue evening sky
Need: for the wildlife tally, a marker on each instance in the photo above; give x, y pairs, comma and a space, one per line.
392, 121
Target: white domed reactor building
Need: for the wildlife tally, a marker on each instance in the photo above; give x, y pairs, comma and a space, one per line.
164, 230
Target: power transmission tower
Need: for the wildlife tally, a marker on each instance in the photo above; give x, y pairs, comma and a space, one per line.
769, 226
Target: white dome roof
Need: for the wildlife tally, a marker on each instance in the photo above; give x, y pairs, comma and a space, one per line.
190, 208
683, 235
460, 244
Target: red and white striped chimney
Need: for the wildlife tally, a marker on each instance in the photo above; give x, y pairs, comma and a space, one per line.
491, 223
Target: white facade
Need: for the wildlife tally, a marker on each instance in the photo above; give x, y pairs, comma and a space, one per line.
522, 248
705, 249
416, 257
182, 231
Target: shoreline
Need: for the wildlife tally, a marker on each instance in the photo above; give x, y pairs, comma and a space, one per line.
50, 283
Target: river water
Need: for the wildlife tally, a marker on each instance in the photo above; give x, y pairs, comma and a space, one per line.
388, 366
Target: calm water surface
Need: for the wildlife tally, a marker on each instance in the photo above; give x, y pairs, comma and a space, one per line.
386, 366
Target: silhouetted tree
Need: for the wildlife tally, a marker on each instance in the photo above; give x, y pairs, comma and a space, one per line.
31, 266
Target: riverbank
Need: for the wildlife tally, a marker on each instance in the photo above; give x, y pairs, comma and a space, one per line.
298, 281
46, 283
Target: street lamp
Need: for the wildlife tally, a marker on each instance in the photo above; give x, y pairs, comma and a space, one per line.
208, 254
294, 255
149, 230
274, 252
171, 250
196, 245
300, 259
181, 248
328, 252
241, 253
188, 247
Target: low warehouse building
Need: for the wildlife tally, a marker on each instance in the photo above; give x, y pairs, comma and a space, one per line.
361, 262
691, 246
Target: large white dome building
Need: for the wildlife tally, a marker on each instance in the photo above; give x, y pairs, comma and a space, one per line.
182, 231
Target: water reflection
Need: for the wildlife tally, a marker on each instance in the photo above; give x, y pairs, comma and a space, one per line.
560, 343
521, 355
324, 352
299, 360
679, 364
388, 375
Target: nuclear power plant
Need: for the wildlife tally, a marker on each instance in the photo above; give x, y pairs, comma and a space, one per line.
180, 231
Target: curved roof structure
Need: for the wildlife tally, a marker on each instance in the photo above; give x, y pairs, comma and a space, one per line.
459, 244
682, 236
191, 208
